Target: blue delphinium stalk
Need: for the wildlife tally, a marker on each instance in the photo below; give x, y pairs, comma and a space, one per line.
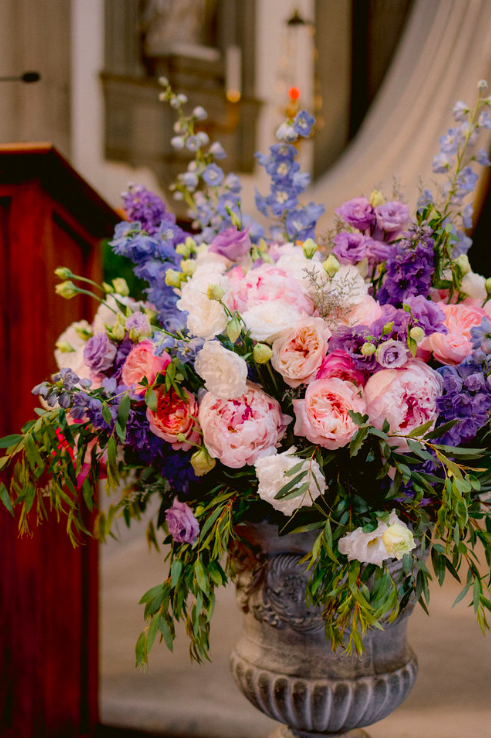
293, 220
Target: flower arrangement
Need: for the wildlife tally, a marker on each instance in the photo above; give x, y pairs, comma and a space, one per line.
338, 384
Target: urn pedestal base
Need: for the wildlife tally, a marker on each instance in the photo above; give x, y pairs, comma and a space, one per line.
286, 667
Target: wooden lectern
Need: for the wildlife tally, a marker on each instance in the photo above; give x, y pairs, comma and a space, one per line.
49, 217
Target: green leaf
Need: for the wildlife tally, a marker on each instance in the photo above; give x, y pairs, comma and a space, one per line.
5, 498
175, 572
420, 430
166, 633
357, 440
106, 414
152, 631
124, 411
151, 399
141, 650
290, 485
441, 430
201, 577
12, 440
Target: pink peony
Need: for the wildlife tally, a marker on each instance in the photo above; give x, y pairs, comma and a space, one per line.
454, 346
266, 284
406, 397
299, 351
142, 362
175, 420
242, 430
323, 417
340, 364
365, 313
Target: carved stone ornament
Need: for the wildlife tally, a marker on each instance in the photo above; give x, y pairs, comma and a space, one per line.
283, 662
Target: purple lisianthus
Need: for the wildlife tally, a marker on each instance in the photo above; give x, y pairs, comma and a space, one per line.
392, 354
427, 314
99, 353
231, 243
140, 322
182, 524
351, 340
350, 248
392, 217
397, 319
357, 213
378, 251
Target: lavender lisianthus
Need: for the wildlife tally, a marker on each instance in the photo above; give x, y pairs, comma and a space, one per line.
427, 314
140, 323
231, 243
378, 251
392, 217
349, 248
392, 354
398, 320
99, 353
351, 340
182, 524
357, 213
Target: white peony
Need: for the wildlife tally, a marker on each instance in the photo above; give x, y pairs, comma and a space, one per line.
385, 542
474, 285
271, 473
224, 372
268, 320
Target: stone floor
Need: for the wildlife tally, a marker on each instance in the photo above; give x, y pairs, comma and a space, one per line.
451, 698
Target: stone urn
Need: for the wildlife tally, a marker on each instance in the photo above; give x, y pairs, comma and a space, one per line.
283, 662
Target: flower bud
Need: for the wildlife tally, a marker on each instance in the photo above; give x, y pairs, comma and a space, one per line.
368, 349
331, 265
462, 262
107, 288
181, 437
262, 353
121, 286
417, 333
482, 85
376, 199
64, 347
188, 267
309, 248
202, 462
487, 285
163, 81
118, 332
182, 250
172, 278
236, 221
398, 540
215, 292
200, 113
191, 244
66, 290
233, 329
267, 258
388, 328
63, 273
177, 142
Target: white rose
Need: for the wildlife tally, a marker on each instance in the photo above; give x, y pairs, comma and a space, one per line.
385, 542
206, 318
73, 360
474, 285
268, 320
224, 372
271, 473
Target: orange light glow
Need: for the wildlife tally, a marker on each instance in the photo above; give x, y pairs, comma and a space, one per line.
294, 93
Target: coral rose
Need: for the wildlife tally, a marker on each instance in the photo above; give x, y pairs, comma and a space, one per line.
405, 397
454, 346
240, 431
323, 416
142, 362
299, 351
175, 419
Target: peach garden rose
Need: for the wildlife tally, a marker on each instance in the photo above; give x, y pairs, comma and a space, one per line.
299, 351
454, 346
142, 362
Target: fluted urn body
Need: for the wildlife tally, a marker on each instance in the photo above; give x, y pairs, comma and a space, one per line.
283, 662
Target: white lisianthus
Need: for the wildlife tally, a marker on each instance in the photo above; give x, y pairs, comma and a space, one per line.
206, 318
387, 541
74, 359
474, 285
224, 372
268, 320
271, 473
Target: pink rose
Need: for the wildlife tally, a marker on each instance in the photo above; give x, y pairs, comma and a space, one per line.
365, 313
406, 397
340, 364
175, 417
323, 417
266, 284
242, 430
298, 352
142, 362
454, 346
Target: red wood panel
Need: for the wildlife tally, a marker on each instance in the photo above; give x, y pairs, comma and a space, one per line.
48, 590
